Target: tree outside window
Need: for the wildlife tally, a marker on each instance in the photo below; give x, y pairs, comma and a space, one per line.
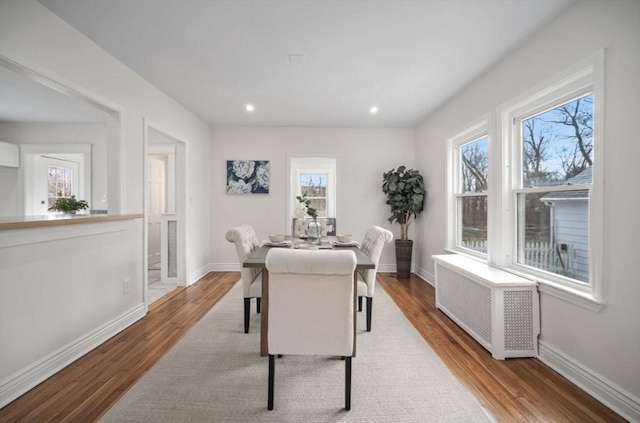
553, 198
59, 181
314, 186
474, 169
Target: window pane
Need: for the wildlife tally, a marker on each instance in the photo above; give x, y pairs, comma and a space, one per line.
557, 145
314, 184
553, 232
320, 204
474, 164
58, 183
474, 222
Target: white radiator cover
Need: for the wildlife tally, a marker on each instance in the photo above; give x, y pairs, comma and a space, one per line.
500, 310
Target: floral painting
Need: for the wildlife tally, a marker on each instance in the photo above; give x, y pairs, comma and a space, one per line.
248, 176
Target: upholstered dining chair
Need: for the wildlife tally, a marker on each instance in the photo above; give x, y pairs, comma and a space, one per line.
245, 239
324, 325
374, 240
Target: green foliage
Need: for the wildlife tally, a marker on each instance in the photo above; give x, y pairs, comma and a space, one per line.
405, 195
310, 210
69, 205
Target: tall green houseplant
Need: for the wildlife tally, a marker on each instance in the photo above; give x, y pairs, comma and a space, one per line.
405, 193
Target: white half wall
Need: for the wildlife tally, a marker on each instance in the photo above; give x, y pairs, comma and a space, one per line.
605, 344
362, 157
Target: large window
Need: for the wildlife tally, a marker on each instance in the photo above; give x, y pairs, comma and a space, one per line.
549, 222
469, 172
552, 195
527, 197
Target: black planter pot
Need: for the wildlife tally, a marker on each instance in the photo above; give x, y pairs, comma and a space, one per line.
403, 258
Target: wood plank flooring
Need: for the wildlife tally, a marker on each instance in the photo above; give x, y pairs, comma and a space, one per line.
514, 390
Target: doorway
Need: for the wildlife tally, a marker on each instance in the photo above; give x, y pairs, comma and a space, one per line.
164, 211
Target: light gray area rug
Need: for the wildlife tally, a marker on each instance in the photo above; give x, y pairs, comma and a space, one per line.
215, 374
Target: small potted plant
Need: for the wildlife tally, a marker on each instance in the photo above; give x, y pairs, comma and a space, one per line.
315, 234
69, 205
405, 196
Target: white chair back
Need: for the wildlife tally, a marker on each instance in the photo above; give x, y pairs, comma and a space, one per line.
245, 240
311, 302
374, 240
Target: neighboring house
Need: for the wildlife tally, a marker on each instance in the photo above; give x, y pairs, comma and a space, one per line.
569, 232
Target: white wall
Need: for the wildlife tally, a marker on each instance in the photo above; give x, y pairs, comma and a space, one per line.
603, 347
362, 157
36, 38
67, 133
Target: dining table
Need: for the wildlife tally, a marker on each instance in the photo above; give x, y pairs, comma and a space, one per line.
257, 259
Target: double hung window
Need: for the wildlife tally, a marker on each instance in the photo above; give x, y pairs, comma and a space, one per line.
469, 169
530, 202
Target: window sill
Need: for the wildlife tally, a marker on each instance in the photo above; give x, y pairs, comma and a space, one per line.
573, 296
563, 292
557, 290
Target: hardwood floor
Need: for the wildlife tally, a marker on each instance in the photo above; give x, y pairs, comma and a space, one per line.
514, 390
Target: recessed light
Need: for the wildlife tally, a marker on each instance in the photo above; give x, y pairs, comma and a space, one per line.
373, 110
249, 108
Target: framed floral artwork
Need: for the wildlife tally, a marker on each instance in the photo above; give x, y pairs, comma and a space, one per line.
248, 176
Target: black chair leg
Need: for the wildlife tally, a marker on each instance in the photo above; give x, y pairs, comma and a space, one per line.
360, 303
247, 310
272, 368
258, 304
369, 305
347, 391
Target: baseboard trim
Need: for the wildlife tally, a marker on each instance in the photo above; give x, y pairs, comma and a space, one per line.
425, 276
605, 391
198, 274
22, 381
225, 267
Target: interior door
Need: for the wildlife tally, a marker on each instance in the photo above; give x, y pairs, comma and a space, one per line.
156, 206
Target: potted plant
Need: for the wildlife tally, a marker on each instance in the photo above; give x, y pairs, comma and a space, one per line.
405, 196
314, 227
69, 205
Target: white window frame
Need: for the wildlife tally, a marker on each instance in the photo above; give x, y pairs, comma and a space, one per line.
317, 164
471, 132
585, 77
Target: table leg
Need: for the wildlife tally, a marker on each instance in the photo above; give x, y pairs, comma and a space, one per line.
264, 322
355, 309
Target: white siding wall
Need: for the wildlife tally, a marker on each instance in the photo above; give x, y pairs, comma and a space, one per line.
571, 227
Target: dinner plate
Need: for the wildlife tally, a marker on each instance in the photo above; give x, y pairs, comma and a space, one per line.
346, 244
286, 243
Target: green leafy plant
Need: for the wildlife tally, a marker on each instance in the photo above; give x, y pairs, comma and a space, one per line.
307, 203
405, 196
69, 204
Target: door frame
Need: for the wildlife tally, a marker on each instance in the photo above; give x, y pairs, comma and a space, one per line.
179, 187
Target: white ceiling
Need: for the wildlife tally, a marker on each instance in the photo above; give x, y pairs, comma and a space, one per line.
405, 57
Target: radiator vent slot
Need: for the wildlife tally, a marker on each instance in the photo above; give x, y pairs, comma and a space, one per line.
469, 301
518, 320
